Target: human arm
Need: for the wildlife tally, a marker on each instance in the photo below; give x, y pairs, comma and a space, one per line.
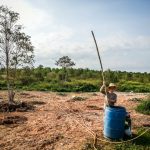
102, 89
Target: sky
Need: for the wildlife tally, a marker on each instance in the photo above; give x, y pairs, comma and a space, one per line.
63, 28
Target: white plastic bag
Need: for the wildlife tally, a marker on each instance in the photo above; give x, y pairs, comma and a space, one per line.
128, 132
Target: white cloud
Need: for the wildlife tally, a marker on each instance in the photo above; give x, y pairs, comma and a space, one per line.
121, 51
123, 41
53, 40
32, 18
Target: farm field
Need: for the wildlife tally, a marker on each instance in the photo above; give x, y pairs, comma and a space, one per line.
61, 122
56, 60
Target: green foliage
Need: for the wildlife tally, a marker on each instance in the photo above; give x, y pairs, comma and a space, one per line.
3, 85
16, 49
127, 86
144, 106
65, 62
85, 80
142, 143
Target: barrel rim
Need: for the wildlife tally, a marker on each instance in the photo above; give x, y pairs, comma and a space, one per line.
116, 108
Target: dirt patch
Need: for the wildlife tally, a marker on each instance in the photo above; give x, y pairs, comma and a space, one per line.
61, 94
36, 102
90, 144
62, 125
18, 106
94, 94
136, 99
93, 107
12, 120
51, 141
28, 95
146, 125
78, 98
24, 94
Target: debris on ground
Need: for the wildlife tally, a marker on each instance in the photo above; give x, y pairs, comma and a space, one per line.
90, 144
78, 98
24, 94
94, 107
36, 102
146, 125
94, 94
28, 95
51, 141
135, 99
59, 124
61, 94
17, 106
12, 120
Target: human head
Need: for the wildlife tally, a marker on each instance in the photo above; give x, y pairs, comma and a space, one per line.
112, 87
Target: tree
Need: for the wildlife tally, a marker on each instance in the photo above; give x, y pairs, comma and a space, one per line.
26, 76
16, 49
39, 73
65, 62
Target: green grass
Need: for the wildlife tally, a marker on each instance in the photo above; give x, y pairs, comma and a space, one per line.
142, 143
144, 106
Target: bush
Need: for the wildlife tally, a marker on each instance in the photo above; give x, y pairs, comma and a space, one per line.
3, 85
127, 86
144, 106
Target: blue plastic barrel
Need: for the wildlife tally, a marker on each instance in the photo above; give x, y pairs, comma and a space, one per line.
114, 122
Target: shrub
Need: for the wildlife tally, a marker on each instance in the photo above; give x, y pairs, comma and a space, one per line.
3, 85
144, 106
127, 86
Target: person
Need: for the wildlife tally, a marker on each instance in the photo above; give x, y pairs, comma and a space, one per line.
110, 101
110, 96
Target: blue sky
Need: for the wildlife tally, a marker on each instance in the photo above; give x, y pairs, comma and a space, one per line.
63, 27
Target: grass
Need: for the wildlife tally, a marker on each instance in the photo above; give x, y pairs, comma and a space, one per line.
144, 106
142, 143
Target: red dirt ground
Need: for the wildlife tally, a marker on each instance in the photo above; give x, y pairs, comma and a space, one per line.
54, 125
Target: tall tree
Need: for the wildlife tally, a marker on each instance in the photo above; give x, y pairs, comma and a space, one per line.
65, 62
15, 47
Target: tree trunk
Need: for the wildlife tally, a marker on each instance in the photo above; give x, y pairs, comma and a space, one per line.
11, 94
66, 75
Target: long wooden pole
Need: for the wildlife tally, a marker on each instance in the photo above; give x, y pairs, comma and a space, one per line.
99, 57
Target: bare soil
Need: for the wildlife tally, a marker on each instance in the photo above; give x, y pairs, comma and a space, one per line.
57, 122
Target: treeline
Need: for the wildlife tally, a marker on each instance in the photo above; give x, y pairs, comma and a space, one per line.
67, 80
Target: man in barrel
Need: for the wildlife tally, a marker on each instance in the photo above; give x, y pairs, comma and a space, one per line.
111, 99
110, 96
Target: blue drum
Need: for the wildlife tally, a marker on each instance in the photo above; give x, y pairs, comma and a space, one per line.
114, 122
